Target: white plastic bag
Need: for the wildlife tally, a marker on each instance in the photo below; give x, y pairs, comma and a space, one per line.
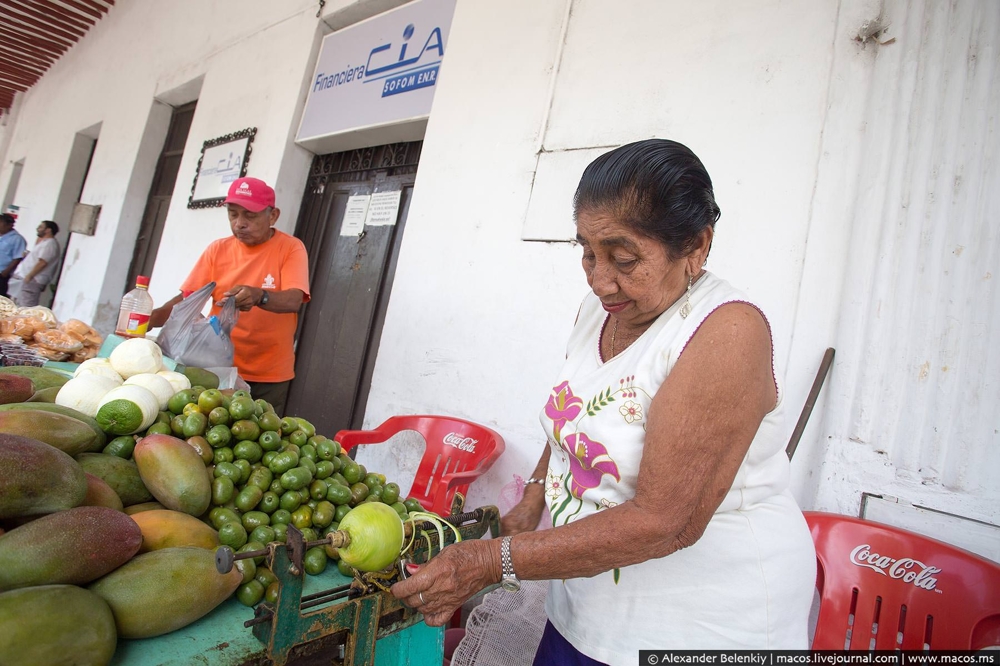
189, 338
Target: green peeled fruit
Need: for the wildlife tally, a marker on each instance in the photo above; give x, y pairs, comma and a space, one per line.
36, 478
122, 475
75, 546
59, 409
56, 624
63, 432
161, 591
174, 473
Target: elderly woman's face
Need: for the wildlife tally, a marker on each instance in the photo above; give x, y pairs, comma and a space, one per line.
631, 273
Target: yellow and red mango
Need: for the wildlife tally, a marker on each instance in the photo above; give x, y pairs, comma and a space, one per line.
56, 624
75, 546
36, 478
174, 473
158, 592
174, 529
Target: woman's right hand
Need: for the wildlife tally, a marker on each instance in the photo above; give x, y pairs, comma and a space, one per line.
525, 516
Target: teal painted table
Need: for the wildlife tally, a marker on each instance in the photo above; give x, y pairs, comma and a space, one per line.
220, 639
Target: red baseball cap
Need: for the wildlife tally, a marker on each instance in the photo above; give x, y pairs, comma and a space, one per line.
251, 193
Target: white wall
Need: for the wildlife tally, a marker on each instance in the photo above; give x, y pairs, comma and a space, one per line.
254, 58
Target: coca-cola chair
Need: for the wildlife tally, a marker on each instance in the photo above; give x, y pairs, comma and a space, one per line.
458, 452
886, 588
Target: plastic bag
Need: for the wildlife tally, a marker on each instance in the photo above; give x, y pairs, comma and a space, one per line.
189, 338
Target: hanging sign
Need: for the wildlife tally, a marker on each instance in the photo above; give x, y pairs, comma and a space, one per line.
379, 72
384, 209
354, 216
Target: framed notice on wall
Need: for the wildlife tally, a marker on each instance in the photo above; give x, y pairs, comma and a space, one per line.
222, 161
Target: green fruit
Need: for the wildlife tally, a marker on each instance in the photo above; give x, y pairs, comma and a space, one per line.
244, 430
250, 594
352, 472
219, 416
224, 454
254, 519
195, 424
324, 469
288, 425
359, 492
270, 422
223, 489
266, 576
179, 400
247, 567
233, 534
209, 399
160, 429
201, 377
302, 517
317, 489
327, 449
283, 462
298, 437
269, 440
281, 517
342, 510
314, 561
121, 447
35, 553
157, 592
248, 498
338, 494
296, 478
270, 502
345, 569
56, 624
413, 505
41, 378
323, 514
248, 450
271, 593
63, 432
58, 409
122, 475
280, 531
252, 546
241, 408
200, 444
219, 516
245, 469
290, 500
390, 493
262, 534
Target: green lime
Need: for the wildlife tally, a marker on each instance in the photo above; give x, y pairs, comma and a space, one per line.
159, 428
308, 451
223, 489
248, 450
224, 454
248, 498
262, 533
271, 593
245, 469
280, 531
254, 519
219, 516
327, 449
338, 494
398, 506
390, 493
195, 423
413, 505
229, 470
280, 516
219, 436
179, 400
302, 517
345, 569
288, 425
269, 440
219, 416
266, 576
209, 399
314, 561
324, 469
298, 437
233, 534
252, 546
359, 492
250, 594
323, 514
269, 503
241, 407
342, 510
308, 428
121, 446
352, 472
248, 568
120, 417
270, 422
290, 500
317, 489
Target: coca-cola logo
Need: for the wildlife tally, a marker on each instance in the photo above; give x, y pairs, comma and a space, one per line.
461, 443
906, 569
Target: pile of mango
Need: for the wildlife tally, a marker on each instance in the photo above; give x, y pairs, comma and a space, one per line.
114, 537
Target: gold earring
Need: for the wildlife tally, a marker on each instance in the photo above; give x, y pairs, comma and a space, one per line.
686, 308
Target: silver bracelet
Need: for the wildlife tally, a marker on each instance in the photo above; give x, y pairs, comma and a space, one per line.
540, 482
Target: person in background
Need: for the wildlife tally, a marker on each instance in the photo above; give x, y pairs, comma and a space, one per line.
267, 272
664, 470
12, 247
38, 268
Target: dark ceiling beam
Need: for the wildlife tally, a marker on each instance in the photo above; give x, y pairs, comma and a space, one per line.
58, 12
99, 6
42, 25
13, 76
36, 43
80, 7
52, 41
10, 83
22, 57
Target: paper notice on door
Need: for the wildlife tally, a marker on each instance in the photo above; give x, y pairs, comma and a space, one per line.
383, 209
354, 216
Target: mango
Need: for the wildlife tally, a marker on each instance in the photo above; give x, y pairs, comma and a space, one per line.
100, 493
56, 624
65, 433
158, 592
37, 478
75, 546
145, 506
42, 378
174, 473
202, 377
59, 409
45, 395
174, 529
14, 388
122, 475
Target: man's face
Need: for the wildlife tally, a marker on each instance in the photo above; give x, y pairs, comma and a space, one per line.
5, 226
251, 228
43, 231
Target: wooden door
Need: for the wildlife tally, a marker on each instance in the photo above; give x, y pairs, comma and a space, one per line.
350, 281
147, 243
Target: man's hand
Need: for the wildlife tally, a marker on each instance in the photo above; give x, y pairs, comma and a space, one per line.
245, 295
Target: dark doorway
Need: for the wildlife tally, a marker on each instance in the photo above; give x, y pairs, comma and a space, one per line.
155, 216
350, 281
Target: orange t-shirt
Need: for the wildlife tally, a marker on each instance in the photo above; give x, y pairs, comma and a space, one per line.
263, 341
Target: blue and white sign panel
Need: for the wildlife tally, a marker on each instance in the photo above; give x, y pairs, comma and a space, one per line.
379, 72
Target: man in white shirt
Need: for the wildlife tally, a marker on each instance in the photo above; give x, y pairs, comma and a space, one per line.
38, 268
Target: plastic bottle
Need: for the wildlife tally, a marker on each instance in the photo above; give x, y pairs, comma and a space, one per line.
137, 305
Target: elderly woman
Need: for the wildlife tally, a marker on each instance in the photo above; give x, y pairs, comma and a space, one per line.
665, 474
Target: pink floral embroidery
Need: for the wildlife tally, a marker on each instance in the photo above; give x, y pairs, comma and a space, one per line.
588, 462
562, 406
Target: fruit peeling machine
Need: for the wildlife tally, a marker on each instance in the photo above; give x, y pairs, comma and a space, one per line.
362, 611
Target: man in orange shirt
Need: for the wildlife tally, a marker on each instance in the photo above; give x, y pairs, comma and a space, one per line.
267, 272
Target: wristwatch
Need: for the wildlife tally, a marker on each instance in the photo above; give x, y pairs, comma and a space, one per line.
508, 579
264, 298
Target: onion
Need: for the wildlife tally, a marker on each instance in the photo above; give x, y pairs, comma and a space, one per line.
376, 536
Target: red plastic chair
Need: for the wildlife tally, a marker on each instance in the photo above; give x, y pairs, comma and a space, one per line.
458, 452
885, 588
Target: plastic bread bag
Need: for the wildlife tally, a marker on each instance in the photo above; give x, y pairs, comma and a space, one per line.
189, 338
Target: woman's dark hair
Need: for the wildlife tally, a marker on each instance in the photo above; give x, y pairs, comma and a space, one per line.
658, 187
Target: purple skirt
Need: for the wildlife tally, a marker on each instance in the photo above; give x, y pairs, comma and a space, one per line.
554, 650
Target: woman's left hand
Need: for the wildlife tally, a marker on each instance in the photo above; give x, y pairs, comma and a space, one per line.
441, 586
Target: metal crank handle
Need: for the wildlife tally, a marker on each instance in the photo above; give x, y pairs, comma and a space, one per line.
225, 557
